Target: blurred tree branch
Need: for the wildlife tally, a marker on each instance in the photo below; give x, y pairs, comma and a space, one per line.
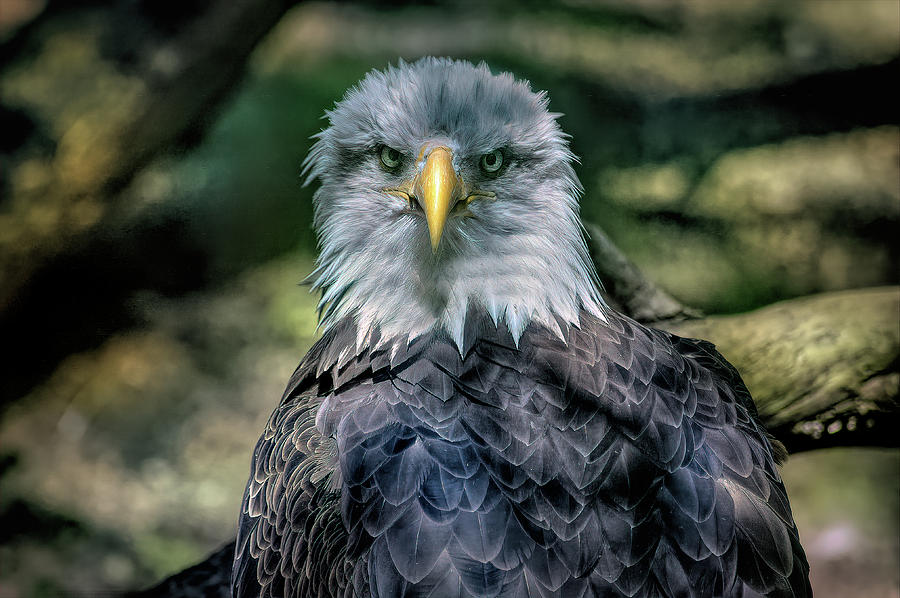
90, 95
823, 370
626, 288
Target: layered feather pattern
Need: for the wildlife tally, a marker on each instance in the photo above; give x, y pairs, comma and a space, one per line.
615, 460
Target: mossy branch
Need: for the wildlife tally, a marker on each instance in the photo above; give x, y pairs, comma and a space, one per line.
824, 370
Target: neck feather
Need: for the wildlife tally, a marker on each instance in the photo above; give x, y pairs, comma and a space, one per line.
531, 280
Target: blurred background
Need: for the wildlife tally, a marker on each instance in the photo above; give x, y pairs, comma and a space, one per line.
154, 229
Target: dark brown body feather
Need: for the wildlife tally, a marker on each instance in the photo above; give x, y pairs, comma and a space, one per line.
621, 461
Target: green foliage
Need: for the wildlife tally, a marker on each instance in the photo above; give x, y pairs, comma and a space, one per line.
241, 190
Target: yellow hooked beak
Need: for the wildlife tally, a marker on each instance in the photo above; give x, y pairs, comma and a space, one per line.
437, 189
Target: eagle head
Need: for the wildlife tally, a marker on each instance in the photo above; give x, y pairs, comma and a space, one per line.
447, 189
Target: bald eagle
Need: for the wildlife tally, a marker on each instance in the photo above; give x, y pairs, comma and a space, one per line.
475, 421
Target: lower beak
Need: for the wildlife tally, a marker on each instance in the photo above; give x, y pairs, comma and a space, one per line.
437, 189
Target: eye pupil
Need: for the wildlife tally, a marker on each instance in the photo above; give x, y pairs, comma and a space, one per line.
390, 157
492, 161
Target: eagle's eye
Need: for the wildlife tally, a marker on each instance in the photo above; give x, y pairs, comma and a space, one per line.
492, 161
390, 157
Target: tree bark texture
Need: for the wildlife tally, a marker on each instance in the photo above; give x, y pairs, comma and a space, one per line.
824, 370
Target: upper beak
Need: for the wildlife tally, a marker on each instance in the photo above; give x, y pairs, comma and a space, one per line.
437, 188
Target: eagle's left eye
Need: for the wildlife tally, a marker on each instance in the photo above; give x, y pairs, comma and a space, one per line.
492, 161
390, 157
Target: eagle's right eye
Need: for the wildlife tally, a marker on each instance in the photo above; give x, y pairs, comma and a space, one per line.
390, 157
492, 161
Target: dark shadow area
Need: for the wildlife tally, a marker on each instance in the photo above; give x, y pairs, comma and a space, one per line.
82, 298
